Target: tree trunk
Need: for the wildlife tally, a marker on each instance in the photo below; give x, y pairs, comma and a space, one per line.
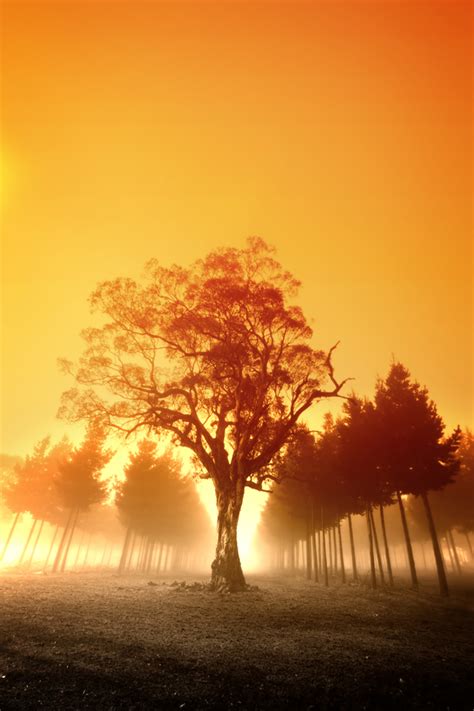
128, 564
78, 550
377, 549
406, 533
341, 553
387, 550
167, 555
35, 544
62, 542
25, 547
313, 545
10, 534
87, 550
125, 549
323, 543
330, 551
355, 575
443, 582
226, 568
69, 540
450, 553
104, 553
469, 544
51, 546
455, 553
309, 571
320, 555
334, 547
373, 579
160, 557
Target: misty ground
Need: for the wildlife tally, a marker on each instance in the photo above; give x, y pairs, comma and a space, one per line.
91, 641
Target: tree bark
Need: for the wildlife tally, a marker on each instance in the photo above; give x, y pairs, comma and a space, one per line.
387, 550
377, 549
455, 553
226, 568
373, 579
406, 533
10, 535
355, 574
341, 553
443, 582
25, 547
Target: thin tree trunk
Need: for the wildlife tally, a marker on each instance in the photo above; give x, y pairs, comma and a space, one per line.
62, 542
313, 545
453, 566
469, 544
160, 557
341, 553
377, 549
35, 544
125, 549
330, 551
387, 550
86, 556
79, 548
104, 553
334, 547
309, 572
128, 565
12, 529
325, 560
320, 554
411, 560
355, 574
69, 541
167, 554
443, 582
25, 547
455, 553
51, 546
373, 579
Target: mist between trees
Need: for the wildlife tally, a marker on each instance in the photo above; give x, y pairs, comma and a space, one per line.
216, 359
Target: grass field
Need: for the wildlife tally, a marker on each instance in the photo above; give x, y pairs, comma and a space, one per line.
90, 641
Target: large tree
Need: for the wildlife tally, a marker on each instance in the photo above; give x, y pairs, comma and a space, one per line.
214, 355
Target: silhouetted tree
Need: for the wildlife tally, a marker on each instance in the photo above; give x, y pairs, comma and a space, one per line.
80, 485
213, 355
155, 501
414, 456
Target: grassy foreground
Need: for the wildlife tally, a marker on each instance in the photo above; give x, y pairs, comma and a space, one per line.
88, 641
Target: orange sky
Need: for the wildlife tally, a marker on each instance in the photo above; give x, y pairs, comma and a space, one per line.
340, 132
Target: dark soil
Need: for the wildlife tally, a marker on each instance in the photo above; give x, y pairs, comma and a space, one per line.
84, 641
